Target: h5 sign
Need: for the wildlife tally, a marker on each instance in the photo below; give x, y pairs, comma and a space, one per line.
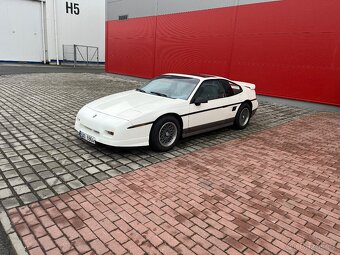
72, 8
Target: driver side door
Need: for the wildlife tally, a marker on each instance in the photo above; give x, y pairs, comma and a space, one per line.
211, 114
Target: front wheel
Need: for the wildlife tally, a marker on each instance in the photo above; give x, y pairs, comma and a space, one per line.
243, 116
165, 134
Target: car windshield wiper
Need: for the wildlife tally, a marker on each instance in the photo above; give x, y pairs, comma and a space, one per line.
140, 90
158, 94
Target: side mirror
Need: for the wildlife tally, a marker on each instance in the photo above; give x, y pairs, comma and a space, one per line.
200, 100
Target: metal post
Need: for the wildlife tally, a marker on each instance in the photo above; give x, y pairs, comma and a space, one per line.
87, 55
74, 55
56, 31
97, 56
43, 31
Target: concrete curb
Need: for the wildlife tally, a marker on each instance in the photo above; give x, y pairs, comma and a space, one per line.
17, 246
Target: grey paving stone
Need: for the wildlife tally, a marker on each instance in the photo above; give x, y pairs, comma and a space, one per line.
134, 166
2, 184
143, 162
38, 185
153, 160
104, 167
47, 159
113, 172
88, 180
53, 181
4, 193
84, 164
124, 161
39, 168
6, 167
105, 158
101, 176
76, 159
92, 170
45, 193
75, 184
52, 165
15, 159
21, 189
25, 170
45, 174
28, 198
67, 177
10, 202
124, 169
59, 171
15, 181
95, 161
34, 162
80, 173
3, 161
31, 177
114, 164
72, 167
62, 188
20, 164
30, 156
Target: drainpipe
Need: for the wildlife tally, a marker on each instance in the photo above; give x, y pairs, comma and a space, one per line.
43, 30
56, 31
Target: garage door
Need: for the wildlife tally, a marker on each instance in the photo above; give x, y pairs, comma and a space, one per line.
20, 30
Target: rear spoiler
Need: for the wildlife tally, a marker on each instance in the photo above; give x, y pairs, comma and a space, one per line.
246, 84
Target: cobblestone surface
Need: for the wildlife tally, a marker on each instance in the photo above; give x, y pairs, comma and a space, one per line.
273, 192
41, 155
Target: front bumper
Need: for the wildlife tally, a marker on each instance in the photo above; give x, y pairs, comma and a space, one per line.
111, 130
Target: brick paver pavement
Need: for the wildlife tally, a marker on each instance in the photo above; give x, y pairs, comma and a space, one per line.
273, 192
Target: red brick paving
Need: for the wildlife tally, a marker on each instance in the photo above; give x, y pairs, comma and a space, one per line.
275, 192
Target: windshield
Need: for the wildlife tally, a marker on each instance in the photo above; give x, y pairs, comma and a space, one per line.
171, 86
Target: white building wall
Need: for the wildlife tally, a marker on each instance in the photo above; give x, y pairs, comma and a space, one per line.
20, 31
86, 28
21, 28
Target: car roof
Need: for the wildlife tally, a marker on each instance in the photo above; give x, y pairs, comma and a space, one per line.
199, 76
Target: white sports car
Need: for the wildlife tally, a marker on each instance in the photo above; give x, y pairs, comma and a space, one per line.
167, 108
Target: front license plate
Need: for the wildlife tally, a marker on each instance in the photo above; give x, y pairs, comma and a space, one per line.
87, 137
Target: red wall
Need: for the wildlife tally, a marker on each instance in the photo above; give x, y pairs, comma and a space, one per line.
288, 48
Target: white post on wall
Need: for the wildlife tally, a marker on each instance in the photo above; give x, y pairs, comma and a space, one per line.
56, 31
43, 30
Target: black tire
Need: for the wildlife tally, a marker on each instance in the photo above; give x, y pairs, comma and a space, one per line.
243, 116
165, 133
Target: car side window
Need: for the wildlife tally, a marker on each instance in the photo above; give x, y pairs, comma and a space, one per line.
235, 88
211, 89
228, 88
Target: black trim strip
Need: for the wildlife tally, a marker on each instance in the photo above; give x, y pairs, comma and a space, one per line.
206, 110
207, 127
140, 125
211, 109
184, 115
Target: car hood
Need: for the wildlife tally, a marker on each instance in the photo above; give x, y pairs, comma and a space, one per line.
129, 104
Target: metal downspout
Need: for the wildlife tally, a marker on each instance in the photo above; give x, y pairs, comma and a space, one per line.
43, 30
56, 31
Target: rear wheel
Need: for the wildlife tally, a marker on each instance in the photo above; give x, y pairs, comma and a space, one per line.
243, 116
165, 133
